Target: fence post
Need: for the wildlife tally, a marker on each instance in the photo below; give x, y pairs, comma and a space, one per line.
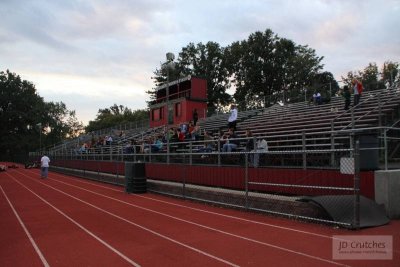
184, 177
385, 148
356, 222
219, 152
332, 144
134, 153
303, 143
168, 147
190, 151
246, 180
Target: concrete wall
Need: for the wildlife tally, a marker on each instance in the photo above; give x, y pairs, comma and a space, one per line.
387, 191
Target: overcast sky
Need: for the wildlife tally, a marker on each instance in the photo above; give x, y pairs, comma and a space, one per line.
91, 54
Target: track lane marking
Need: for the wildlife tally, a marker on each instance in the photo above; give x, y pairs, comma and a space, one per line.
93, 183
203, 226
79, 225
132, 223
35, 246
205, 211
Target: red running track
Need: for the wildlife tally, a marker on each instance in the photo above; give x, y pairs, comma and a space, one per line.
67, 221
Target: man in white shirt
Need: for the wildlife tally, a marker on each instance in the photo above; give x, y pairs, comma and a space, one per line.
44, 164
232, 118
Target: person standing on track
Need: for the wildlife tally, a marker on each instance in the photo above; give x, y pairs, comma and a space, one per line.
44, 164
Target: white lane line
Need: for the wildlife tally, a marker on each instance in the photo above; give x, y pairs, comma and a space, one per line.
42, 258
79, 180
137, 225
208, 212
209, 228
80, 226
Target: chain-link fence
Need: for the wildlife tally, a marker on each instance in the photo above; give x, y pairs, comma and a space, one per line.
281, 180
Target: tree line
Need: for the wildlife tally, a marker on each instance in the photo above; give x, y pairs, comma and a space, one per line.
264, 69
28, 123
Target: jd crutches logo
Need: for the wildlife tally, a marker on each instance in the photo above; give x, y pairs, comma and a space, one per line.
346, 247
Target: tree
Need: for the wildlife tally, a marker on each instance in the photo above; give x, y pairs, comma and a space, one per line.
372, 78
116, 115
168, 71
267, 69
204, 61
390, 74
26, 120
20, 111
61, 123
208, 61
324, 83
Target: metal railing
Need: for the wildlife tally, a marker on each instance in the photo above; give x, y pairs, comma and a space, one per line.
237, 179
305, 150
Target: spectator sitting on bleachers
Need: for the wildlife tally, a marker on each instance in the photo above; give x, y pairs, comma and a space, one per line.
317, 98
146, 145
155, 146
109, 140
129, 148
184, 128
261, 146
221, 138
171, 135
249, 141
93, 140
83, 148
231, 142
100, 141
195, 133
190, 129
181, 135
250, 145
209, 143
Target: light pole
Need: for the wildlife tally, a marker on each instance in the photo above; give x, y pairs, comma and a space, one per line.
169, 64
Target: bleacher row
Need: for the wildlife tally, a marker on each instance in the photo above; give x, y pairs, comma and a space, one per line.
283, 126
294, 126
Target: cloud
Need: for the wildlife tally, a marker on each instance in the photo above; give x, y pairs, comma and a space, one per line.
102, 52
87, 95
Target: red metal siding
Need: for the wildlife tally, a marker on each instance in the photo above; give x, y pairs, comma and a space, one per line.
234, 177
199, 88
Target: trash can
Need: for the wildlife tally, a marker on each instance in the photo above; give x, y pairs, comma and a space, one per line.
369, 152
135, 177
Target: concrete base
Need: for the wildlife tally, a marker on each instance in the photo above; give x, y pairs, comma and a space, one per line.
387, 191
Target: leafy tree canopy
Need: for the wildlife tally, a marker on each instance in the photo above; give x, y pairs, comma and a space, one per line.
116, 115
263, 70
29, 123
374, 78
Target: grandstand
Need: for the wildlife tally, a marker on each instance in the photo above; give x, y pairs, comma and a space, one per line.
313, 150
